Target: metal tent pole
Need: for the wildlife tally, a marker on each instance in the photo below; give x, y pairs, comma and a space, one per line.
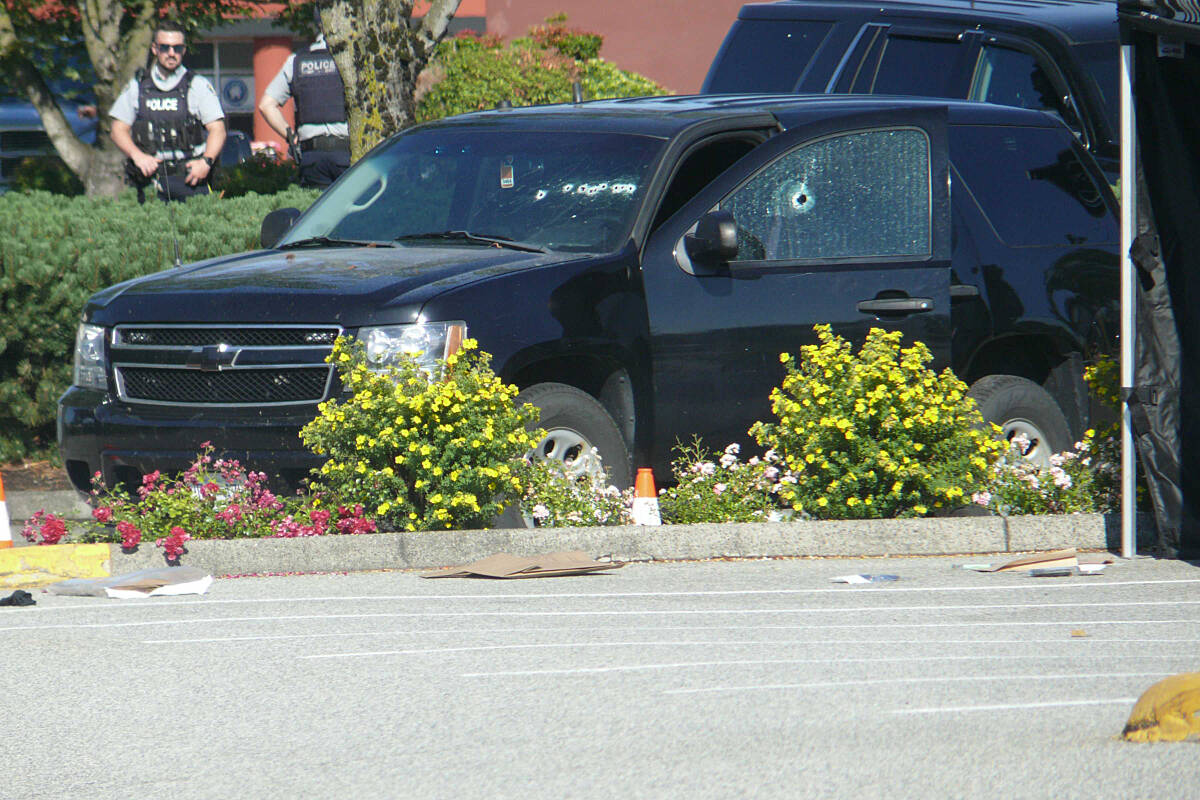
1128, 303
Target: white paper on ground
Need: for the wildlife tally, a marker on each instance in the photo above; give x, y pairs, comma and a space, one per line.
136, 584
851, 579
1090, 569
191, 587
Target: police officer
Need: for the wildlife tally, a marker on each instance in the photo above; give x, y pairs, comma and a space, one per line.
310, 76
169, 122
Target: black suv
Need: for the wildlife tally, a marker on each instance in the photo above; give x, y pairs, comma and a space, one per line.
636, 267
1059, 56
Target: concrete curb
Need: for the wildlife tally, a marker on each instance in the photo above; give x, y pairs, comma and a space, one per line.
857, 538
66, 503
383, 551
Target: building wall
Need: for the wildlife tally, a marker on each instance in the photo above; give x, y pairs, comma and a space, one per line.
670, 41
242, 58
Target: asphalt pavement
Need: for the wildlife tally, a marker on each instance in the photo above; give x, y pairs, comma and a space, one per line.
712, 679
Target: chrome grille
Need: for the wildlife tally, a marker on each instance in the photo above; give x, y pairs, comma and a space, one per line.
232, 387
162, 336
223, 365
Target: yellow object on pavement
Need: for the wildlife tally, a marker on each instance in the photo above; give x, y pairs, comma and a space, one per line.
22, 567
1166, 712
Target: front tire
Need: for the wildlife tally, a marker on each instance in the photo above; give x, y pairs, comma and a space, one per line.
575, 423
1019, 406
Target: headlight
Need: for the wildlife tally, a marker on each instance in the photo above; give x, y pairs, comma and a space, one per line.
424, 342
90, 367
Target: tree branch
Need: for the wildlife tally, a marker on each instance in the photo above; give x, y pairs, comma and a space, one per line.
435, 24
29, 80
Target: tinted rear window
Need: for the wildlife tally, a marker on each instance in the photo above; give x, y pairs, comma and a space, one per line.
766, 55
1102, 61
1032, 186
921, 67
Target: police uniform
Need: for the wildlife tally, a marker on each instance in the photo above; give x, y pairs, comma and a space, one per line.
167, 116
310, 76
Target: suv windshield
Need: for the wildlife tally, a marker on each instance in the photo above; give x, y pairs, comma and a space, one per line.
562, 190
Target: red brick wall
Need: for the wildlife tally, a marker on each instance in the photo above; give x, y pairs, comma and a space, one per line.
671, 41
269, 55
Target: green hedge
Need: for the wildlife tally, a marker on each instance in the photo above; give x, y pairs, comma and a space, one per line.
477, 73
55, 251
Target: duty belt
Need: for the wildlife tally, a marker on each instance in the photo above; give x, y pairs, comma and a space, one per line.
177, 168
325, 142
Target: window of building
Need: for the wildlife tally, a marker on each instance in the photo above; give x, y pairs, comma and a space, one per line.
229, 65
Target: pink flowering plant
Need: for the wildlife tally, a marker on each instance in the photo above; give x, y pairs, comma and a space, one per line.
712, 488
558, 497
214, 498
1084, 479
1072, 484
44, 528
173, 545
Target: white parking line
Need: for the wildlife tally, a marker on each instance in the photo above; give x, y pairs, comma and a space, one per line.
1086, 583
638, 613
623, 629
1018, 706
841, 660
938, 679
757, 661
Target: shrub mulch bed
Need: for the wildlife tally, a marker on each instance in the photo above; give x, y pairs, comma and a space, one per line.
33, 476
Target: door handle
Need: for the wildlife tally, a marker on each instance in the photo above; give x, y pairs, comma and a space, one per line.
896, 305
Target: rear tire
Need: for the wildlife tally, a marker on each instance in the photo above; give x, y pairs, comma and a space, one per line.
575, 423
1020, 406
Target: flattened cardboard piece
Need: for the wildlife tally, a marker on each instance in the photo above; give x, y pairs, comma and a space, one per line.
1058, 558
198, 586
143, 583
506, 565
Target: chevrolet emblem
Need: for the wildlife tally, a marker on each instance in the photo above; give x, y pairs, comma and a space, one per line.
213, 358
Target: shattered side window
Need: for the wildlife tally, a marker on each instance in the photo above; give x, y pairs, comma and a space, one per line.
858, 195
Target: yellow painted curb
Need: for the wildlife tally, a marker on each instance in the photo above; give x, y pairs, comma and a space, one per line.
1166, 712
37, 566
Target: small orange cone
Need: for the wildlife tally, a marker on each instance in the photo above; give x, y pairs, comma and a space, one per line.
5, 528
645, 499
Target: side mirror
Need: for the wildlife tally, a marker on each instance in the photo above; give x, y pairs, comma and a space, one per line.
715, 240
276, 224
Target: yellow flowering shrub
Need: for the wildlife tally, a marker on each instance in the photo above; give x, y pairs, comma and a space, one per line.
422, 454
1103, 380
875, 435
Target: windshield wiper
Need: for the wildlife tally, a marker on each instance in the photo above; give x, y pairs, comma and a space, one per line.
331, 241
477, 238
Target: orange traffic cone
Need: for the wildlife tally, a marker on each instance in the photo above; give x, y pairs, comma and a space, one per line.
645, 499
5, 528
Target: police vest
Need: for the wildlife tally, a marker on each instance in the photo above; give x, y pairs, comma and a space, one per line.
317, 89
163, 123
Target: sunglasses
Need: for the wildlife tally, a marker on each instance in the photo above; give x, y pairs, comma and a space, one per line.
171, 48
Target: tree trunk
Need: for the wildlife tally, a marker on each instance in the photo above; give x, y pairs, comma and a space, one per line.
380, 52
115, 56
